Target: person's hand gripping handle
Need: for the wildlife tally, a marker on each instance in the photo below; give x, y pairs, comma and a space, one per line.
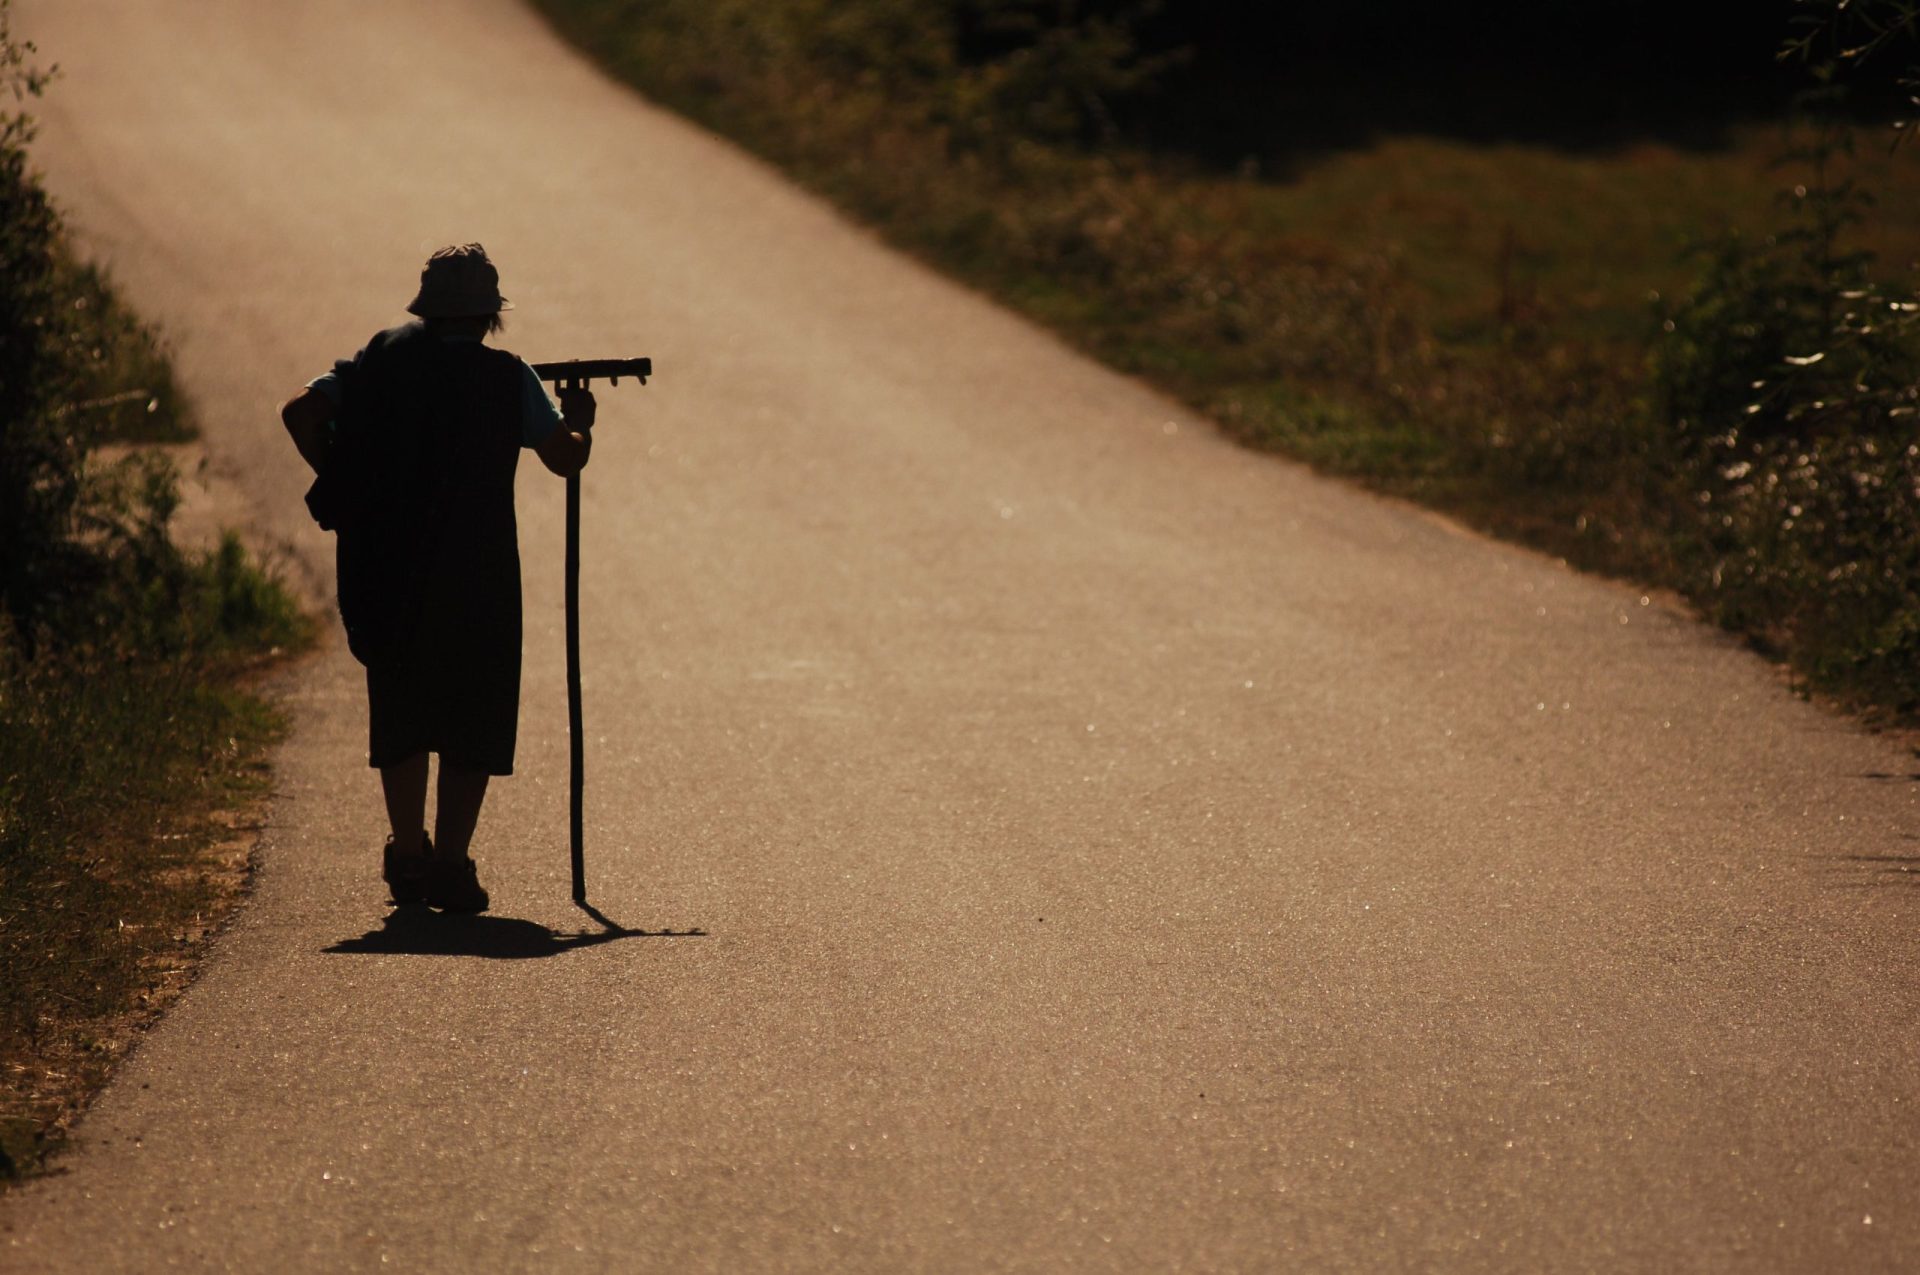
577, 413
577, 407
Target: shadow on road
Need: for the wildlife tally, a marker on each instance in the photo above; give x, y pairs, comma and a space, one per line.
419, 931
1883, 869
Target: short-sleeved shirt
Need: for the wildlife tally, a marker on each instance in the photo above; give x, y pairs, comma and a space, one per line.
539, 414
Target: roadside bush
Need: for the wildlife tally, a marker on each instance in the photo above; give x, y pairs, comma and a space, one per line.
1790, 386
38, 468
1790, 380
85, 558
121, 719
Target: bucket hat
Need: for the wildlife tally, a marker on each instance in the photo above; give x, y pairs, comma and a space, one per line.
458, 283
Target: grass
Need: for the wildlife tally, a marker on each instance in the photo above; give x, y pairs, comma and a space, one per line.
118, 836
1592, 237
1473, 326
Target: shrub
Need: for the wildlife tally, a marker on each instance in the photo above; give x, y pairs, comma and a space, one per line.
81, 545
1790, 380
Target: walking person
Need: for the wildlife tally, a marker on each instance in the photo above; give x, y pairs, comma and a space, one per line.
415, 442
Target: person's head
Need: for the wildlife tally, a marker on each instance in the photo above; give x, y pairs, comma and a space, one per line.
460, 289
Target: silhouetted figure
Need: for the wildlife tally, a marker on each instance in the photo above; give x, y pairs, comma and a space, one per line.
415, 441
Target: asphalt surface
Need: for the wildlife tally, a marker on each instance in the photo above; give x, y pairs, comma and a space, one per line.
1113, 850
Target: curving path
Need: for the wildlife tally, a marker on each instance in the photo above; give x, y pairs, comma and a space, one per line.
1115, 851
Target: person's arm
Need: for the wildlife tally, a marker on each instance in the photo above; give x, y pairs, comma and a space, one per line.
306, 417
565, 450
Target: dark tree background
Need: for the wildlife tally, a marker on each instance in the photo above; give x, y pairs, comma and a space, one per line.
1270, 81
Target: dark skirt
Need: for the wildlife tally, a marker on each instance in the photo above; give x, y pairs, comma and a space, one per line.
469, 722
456, 688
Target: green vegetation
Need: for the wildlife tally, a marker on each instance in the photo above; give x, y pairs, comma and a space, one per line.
124, 728
1791, 384
1555, 343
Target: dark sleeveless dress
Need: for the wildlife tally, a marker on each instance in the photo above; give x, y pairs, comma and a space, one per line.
428, 439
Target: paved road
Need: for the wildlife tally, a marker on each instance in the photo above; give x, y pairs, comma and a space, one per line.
1115, 851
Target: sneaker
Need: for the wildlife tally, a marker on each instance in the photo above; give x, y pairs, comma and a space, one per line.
453, 885
406, 874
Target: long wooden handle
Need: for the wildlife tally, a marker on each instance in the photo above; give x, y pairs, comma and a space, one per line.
574, 728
